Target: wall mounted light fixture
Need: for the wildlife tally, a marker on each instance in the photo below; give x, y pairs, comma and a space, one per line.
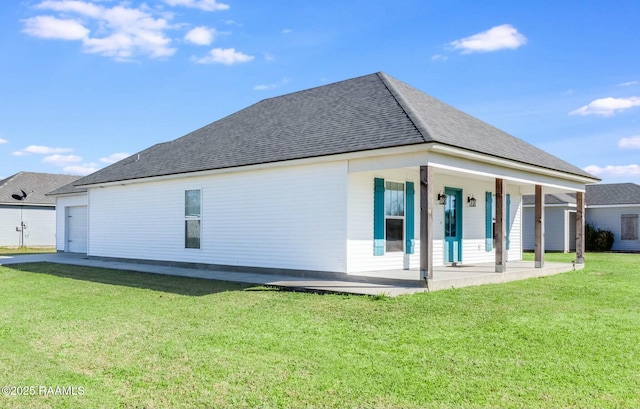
472, 201
442, 198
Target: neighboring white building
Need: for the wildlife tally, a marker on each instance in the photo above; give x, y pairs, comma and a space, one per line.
614, 207
559, 222
27, 215
325, 180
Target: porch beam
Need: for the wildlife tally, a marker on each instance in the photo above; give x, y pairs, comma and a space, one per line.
580, 227
426, 222
539, 227
501, 226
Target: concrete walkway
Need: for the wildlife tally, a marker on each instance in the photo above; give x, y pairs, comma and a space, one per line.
390, 283
303, 283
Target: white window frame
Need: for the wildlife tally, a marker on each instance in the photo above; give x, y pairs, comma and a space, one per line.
192, 218
403, 217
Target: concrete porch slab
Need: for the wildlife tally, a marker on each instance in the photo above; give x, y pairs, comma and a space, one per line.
465, 275
389, 282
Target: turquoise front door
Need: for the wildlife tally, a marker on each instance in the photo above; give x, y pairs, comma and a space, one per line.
453, 225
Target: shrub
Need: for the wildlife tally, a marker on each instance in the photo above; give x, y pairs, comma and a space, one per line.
598, 239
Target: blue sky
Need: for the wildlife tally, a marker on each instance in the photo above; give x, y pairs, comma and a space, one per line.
83, 83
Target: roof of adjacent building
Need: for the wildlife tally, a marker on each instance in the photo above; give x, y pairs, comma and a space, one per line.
31, 188
596, 195
370, 112
613, 194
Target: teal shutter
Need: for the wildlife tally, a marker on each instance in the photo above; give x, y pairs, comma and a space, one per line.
409, 210
378, 217
488, 221
508, 221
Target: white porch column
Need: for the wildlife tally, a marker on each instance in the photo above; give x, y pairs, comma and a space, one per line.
539, 227
501, 226
580, 225
426, 223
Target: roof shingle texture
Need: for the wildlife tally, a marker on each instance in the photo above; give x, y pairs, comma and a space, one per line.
595, 195
371, 112
35, 185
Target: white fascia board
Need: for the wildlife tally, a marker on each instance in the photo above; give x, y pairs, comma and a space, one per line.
553, 205
27, 204
438, 156
615, 206
489, 167
271, 165
505, 163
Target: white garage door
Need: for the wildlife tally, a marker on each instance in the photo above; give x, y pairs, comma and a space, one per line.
77, 229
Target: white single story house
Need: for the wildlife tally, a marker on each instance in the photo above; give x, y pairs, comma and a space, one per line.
609, 206
27, 215
361, 175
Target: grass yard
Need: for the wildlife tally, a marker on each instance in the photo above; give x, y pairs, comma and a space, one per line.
141, 340
16, 251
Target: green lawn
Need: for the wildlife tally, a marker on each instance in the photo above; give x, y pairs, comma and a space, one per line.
13, 251
141, 340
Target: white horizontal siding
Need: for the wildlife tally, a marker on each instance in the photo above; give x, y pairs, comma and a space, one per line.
360, 227
290, 217
62, 202
9, 219
360, 223
609, 219
40, 228
559, 229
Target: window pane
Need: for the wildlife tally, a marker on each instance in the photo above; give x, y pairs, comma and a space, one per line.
629, 227
192, 234
450, 216
394, 199
394, 229
192, 203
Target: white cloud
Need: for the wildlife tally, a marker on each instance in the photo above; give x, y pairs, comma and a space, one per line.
73, 6
494, 39
227, 56
275, 85
61, 160
82, 170
55, 28
201, 35
114, 157
607, 106
632, 142
628, 83
612, 170
40, 150
205, 5
121, 32
3, 141
287, 31
439, 57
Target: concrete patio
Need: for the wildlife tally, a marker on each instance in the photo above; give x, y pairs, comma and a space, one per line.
391, 283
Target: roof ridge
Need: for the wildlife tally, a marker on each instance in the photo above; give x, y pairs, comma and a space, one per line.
406, 107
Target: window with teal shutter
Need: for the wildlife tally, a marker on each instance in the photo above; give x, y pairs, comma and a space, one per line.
488, 221
409, 234
378, 217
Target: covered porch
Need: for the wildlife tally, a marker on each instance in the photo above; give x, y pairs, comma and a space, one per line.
461, 220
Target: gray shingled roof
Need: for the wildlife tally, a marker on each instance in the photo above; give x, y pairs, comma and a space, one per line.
613, 194
595, 195
551, 199
371, 112
35, 185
